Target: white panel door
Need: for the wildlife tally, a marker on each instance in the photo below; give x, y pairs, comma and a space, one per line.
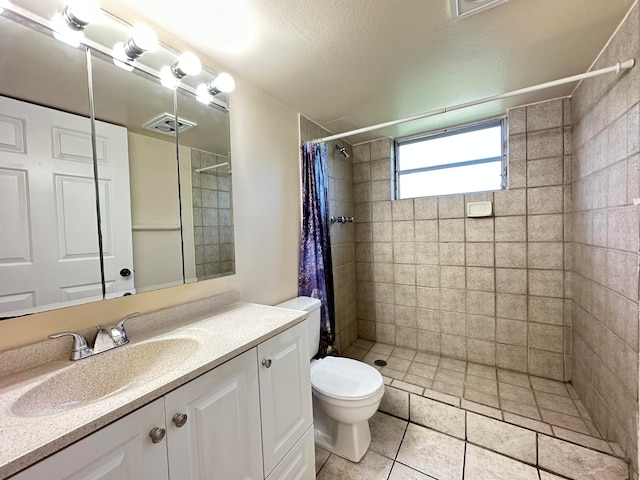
120, 451
48, 242
115, 208
285, 392
221, 437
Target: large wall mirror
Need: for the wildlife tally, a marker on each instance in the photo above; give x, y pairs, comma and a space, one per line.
165, 197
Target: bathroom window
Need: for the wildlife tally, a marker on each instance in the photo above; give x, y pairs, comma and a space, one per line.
466, 159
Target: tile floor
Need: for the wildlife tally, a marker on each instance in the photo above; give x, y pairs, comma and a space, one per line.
447, 419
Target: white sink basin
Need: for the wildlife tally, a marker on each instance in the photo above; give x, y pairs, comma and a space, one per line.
105, 374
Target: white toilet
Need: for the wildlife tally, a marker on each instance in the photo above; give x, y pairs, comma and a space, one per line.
346, 393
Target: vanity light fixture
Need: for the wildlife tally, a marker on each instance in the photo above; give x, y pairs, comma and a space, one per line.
222, 83
187, 64
70, 23
143, 39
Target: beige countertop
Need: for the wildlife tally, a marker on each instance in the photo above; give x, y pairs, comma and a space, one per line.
200, 341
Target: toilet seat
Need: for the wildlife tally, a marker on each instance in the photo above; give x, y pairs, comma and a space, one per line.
345, 378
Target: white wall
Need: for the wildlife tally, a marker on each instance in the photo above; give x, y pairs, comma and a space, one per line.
266, 202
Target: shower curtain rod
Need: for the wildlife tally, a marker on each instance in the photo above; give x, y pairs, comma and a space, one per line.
626, 65
204, 169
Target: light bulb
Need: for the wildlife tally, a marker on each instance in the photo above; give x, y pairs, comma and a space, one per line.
189, 63
144, 37
84, 10
64, 33
167, 78
202, 94
120, 58
224, 83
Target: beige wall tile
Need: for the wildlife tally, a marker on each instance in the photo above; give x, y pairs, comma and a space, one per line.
481, 326
546, 310
381, 148
428, 319
546, 255
512, 332
548, 283
481, 303
453, 346
385, 333
402, 209
544, 115
381, 170
451, 253
404, 274
511, 306
545, 200
545, 228
407, 337
517, 174
426, 208
429, 341
381, 211
511, 254
480, 278
548, 171
451, 206
403, 231
453, 323
481, 351
451, 230
428, 275
546, 337
511, 229
429, 298
511, 357
517, 148
546, 364
480, 254
511, 280
545, 144
517, 120
479, 229
426, 231
511, 202
404, 252
427, 253
452, 277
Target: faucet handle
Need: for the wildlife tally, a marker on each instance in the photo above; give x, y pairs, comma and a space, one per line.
80, 348
118, 333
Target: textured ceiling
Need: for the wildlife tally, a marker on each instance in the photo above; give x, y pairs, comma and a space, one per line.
352, 63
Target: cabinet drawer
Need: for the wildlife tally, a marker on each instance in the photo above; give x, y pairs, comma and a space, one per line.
299, 463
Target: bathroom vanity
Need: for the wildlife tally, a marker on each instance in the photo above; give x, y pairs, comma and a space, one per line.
223, 394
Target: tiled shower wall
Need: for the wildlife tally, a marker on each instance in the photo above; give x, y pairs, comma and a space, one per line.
487, 290
606, 176
212, 217
342, 234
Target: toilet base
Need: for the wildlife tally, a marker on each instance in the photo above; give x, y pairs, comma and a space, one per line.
347, 440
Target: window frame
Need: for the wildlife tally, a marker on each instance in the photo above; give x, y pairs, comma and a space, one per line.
452, 131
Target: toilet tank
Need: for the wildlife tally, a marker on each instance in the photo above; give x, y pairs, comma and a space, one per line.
311, 305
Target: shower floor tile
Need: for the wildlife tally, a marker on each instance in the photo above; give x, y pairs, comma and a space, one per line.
541, 405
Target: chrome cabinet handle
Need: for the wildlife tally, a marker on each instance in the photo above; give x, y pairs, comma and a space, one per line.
179, 419
266, 362
157, 434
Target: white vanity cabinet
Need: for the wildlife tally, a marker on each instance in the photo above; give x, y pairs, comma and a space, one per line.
220, 439
248, 419
121, 450
285, 393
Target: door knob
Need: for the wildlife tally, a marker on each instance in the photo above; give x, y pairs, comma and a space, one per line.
266, 362
125, 272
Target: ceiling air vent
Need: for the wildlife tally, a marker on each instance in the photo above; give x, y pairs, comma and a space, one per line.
464, 8
166, 123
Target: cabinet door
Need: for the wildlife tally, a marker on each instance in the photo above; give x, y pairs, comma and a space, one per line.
285, 392
120, 451
221, 437
299, 463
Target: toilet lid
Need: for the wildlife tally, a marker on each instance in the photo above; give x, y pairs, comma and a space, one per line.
345, 378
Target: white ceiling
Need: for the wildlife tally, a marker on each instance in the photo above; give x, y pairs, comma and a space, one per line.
351, 63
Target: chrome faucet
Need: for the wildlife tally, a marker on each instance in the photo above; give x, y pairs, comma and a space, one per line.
106, 339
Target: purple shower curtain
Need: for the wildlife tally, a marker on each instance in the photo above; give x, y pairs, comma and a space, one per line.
315, 278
